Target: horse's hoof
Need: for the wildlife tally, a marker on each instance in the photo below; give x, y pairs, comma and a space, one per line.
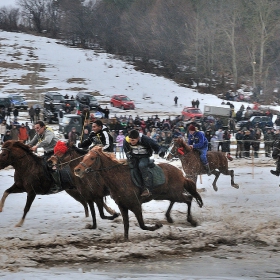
89, 226
159, 225
215, 189
116, 215
192, 222
170, 220
236, 186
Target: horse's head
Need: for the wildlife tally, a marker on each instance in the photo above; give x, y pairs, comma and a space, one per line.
177, 148
53, 162
276, 149
90, 162
13, 152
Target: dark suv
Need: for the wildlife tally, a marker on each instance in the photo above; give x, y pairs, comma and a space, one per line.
85, 99
261, 121
54, 97
5, 102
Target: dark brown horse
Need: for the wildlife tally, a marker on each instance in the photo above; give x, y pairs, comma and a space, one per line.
193, 166
92, 188
30, 175
127, 195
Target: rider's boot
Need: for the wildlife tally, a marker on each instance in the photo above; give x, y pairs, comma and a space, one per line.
207, 169
57, 184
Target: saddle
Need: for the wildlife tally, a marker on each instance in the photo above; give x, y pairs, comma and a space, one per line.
155, 170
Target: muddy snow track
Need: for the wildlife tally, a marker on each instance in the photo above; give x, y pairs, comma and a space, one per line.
231, 221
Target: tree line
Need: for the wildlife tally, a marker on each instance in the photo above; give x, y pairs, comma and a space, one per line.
222, 43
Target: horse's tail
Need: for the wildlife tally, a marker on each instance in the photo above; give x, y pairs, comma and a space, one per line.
190, 187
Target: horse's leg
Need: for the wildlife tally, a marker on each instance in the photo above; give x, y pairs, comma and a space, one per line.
189, 214
167, 214
92, 211
110, 211
2, 201
77, 196
124, 212
30, 198
137, 210
100, 203
13, 189
231, 173
217, 175
190, 187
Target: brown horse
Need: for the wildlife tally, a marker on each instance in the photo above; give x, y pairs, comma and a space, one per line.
127, 195
193, 166
30, 175
91, 188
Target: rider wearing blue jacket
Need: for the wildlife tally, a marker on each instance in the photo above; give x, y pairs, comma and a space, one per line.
198, 141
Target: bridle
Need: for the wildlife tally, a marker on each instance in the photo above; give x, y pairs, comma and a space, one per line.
59, 163
169, 151
9, 150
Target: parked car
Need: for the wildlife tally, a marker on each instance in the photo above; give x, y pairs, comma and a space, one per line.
86, 99
17, 101
51, 111
261, 121
68, 121
5, 101
191, 112
122, 101
54, 96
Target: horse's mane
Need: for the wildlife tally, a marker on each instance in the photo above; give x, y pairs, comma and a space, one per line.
110, 156
19, 144
182, 143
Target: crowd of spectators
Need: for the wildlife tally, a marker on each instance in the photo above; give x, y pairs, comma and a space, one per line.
219, 132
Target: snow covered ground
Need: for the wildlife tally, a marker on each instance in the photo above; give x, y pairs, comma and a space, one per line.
238, 232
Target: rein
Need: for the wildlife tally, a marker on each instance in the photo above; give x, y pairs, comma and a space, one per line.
67, 162
89, 169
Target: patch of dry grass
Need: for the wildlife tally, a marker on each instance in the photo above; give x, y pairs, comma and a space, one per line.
76, 80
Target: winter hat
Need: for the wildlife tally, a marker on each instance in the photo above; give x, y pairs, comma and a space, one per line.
60, 148
192, 128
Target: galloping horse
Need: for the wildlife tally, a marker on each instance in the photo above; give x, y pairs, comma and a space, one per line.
92, 189
193, 166
30, 175
127, 195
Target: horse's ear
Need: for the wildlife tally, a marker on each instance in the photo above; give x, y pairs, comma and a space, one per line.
70, 144
97, 148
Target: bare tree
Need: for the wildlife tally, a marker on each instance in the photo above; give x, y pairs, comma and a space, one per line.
34, 10
9, 18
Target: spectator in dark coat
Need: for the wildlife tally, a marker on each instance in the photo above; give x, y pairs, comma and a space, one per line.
247, 143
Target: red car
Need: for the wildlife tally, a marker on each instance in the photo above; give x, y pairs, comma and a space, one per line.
122, 101
190, 112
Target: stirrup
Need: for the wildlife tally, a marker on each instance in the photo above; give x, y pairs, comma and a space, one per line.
145, 193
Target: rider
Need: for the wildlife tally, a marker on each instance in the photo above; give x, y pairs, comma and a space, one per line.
138, 149
99, 135
45, 138
198, 141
